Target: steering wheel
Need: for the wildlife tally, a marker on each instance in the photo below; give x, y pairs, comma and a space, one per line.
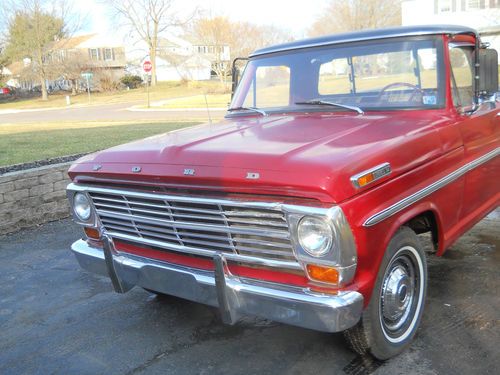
404, 84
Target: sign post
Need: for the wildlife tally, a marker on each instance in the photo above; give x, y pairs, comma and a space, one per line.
147, 66
87, 76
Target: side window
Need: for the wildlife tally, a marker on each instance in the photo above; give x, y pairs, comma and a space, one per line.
271, 87
334, 77
462, 76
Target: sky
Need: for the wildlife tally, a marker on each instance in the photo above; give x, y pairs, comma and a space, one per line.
292, 15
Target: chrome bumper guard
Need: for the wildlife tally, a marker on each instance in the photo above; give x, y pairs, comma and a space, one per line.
234, 297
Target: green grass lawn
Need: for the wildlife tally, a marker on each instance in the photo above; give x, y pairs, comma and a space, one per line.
162, 91
20, 143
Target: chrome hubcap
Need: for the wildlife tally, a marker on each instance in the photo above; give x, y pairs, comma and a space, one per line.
399, 294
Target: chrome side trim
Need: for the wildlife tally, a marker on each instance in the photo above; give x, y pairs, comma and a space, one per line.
380, 171
422, 193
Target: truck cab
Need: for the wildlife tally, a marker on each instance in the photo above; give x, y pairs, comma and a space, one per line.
304, 205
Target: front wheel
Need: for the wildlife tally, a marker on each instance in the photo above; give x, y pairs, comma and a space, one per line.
393, 315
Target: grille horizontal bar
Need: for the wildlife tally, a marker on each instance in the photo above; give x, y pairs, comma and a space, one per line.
200, 225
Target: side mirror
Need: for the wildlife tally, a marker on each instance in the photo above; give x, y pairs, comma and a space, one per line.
235, 73
488, 71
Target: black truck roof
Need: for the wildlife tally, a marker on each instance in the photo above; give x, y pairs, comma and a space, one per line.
356, 36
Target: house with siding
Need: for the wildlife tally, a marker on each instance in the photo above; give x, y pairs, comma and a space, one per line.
180, 59
67, 58
482, 15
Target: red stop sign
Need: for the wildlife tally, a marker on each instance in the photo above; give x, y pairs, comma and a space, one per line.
147, 66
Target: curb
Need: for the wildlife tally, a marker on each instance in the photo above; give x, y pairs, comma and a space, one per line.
138, 109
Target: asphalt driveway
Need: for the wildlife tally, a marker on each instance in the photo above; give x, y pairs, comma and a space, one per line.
58, 319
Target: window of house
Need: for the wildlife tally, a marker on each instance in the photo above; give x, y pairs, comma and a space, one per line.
108, 54
462, 76
94, 54
474, 4
444, 6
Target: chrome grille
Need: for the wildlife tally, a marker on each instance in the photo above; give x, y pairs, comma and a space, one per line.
184, 224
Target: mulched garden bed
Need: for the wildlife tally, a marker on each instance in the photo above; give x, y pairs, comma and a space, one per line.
39, 163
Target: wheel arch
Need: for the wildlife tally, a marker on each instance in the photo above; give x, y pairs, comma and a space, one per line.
421, 218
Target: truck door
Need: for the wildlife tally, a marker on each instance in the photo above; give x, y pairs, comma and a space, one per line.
480, 133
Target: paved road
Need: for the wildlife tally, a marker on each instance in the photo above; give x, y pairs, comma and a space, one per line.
106, 112
58, 319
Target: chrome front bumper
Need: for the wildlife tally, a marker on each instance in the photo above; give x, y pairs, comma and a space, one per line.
233, 296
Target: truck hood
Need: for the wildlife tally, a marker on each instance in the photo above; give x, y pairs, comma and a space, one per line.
309, 155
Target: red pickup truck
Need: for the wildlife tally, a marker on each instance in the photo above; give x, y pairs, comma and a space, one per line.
305, 204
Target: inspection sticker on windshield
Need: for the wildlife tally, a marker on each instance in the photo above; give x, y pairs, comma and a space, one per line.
429, 99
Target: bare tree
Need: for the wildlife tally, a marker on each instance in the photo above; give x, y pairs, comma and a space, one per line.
241, 37
215, 33
148, 19
350, 15
33, 27
247, 37
72, 66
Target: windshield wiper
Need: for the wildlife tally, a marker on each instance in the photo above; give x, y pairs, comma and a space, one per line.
263, 113
323, 102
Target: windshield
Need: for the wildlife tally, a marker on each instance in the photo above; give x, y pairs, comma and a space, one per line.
375, 75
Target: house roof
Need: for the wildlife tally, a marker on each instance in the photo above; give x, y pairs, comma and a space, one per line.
393, 32
73, 42
195, 41
173, 41
490, 30
16, 67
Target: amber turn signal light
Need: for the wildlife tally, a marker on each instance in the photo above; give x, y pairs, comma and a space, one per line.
372, 175
323, 274
366, 179
92, 233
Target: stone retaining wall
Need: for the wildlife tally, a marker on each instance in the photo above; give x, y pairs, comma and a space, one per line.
33, 196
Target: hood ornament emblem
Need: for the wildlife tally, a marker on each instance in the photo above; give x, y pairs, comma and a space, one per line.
189, 172
136, 169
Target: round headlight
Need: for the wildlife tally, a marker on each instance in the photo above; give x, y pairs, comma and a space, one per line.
315, 236
81, 206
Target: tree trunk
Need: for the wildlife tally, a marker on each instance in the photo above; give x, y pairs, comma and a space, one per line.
152, 56
45, 94
42, 75
73, 87
152, 53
